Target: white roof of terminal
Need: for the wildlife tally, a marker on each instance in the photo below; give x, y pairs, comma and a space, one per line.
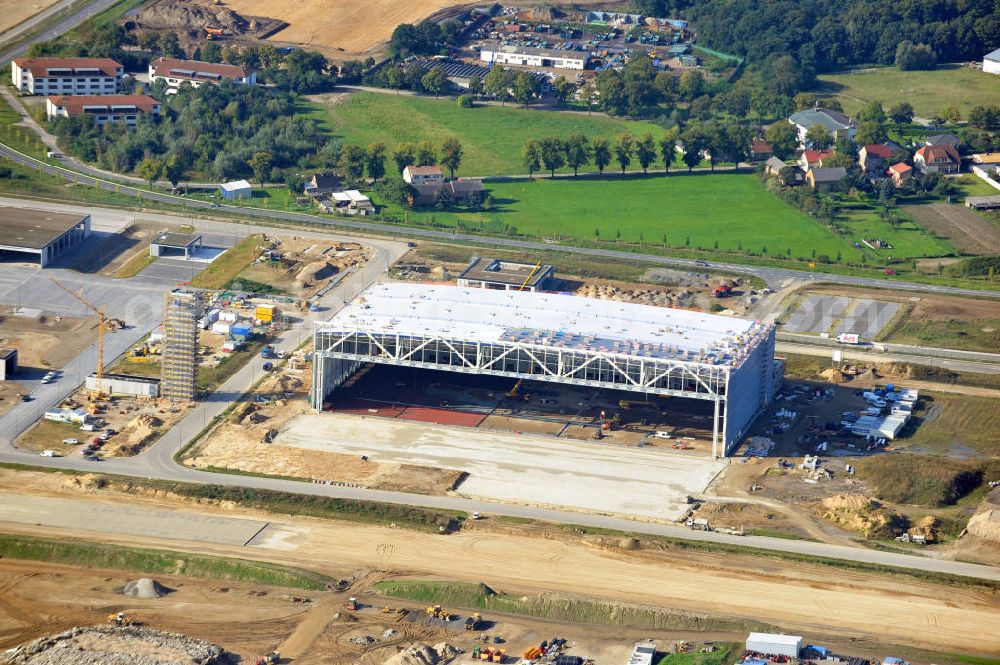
549, 319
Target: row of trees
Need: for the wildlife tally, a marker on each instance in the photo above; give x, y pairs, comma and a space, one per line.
700, 141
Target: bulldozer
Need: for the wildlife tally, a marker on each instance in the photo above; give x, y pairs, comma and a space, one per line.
120, 619
438, 613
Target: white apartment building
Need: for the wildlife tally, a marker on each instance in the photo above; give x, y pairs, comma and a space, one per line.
104, 108
67, 76
177, 72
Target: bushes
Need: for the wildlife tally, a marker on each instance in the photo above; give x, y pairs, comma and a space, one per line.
921, 480
977, 266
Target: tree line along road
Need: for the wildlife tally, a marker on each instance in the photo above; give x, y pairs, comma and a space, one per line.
774, 277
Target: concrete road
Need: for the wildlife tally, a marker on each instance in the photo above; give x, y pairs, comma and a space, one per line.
775, 278
865, 356
117, 517
16, 40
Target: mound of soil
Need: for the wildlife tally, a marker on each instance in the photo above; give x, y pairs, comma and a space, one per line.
194, 17
421, 654
110, 645
862, 514
144, 588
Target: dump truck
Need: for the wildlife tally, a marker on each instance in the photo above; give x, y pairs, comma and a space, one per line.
699, 524
473, 622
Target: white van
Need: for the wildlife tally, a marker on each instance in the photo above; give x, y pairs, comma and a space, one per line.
47, 453
661, 434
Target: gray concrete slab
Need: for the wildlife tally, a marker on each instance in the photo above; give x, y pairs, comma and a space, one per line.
119, 518
868, 317
816, 314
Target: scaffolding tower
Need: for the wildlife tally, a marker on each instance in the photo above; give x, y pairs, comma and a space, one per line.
179, 360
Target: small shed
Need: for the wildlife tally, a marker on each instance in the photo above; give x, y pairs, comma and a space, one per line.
125, 384
8, 363
237, 189
175, 244
772, 644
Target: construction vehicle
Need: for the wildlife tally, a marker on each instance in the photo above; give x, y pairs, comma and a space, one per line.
473, 622
215, 32
102, 328
723, 290
273, 658
120, 619
515, 392
352, 604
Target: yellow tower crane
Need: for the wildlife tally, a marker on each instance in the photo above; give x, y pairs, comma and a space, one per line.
530, 275
101, 329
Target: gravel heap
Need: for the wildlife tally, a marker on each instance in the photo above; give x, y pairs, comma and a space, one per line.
144, 588
111, 645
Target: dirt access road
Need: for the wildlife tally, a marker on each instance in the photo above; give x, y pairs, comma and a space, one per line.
812, 599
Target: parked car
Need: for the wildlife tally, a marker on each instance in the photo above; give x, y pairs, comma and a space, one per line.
26, 398
105, 435
47, 453
71, 442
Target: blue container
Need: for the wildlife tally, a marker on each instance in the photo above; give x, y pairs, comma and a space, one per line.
240, 330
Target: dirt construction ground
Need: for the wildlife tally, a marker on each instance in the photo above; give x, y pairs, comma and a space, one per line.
819, 601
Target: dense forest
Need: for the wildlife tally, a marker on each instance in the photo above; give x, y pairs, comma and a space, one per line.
827, 34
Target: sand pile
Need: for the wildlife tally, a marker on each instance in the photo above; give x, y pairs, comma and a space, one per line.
311, 272
144, 588
926, 527
986, 525
862, 514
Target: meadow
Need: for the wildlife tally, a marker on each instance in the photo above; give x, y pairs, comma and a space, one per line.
725, 211
929, 92
492, 136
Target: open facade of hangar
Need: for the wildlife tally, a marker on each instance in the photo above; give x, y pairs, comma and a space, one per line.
559, 339
39, 234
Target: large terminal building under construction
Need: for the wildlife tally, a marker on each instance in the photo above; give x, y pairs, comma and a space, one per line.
557, 338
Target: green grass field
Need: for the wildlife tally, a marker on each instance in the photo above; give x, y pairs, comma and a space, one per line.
730, 209
491, 136
929, 92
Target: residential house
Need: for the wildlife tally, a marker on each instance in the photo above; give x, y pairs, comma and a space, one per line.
773, 166
462, 188
986, 159
760, 150
900, 173
237, 189
841, 127
943, 139
937, 159
991, 62
348, 202
872, 157
427, 192
421, 175
125, 109
197, 73
67, 76
823, 180
322, 184
813, 158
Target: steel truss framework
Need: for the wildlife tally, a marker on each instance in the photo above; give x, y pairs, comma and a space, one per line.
597, 369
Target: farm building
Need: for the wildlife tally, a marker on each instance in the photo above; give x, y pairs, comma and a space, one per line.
172, 244
125, 384
506, 275
529, 56
557, 338
771, 644
8, 363
43, 235
237, 189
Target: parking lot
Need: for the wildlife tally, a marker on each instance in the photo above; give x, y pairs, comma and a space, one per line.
520, 468
835, 315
